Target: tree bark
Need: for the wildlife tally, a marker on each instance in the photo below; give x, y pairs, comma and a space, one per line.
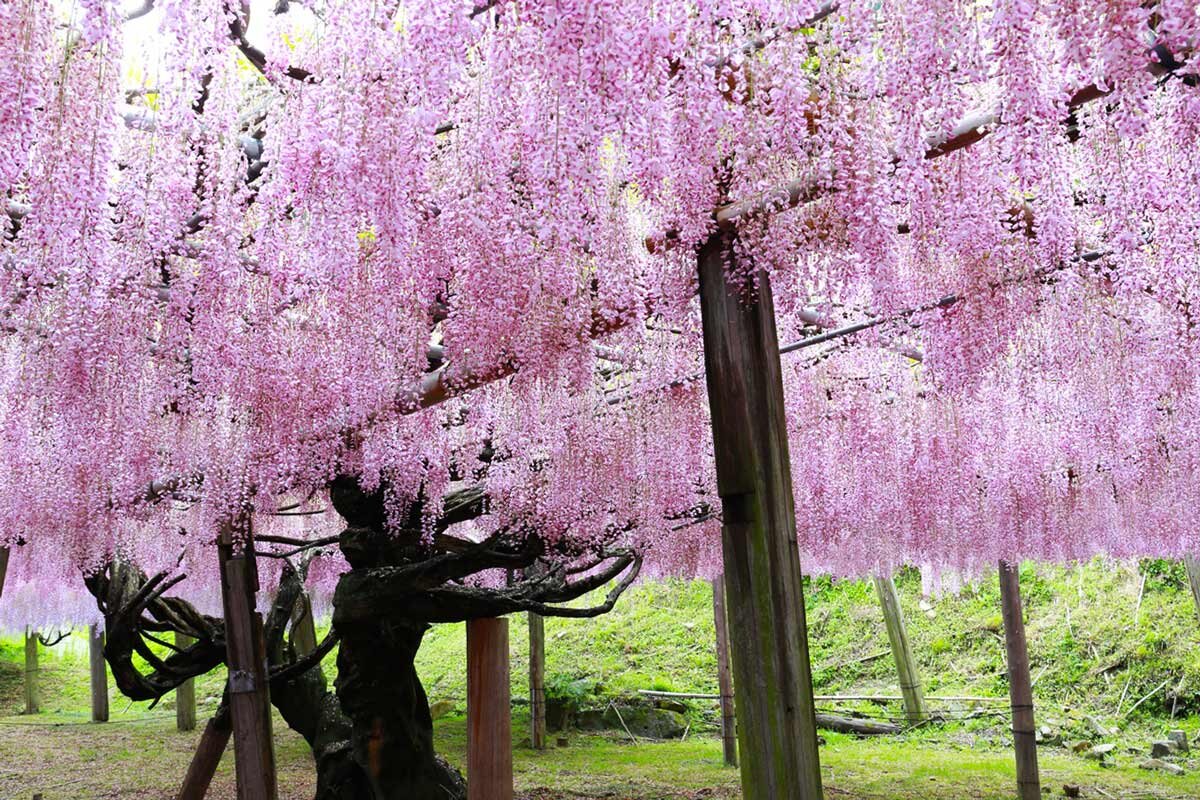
537, 681
99, 673
185, 695
33, 695
249, 697
724, 676
906, 665
3, 568
1019, 686
777, 730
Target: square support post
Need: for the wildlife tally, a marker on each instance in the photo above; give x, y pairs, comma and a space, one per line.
185, 694
1020, 688
724, 675
537, 681
777, 733
489, 712
99, 673
33, 693
249, 693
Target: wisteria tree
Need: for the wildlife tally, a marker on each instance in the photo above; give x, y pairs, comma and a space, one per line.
419, 280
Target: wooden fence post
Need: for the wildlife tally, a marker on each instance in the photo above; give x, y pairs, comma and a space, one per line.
33, 696
1019, 687
489, 712
249, 697
1193, 572
185, 693
537, 681
906, 665
99, 672
724, 676
777, 733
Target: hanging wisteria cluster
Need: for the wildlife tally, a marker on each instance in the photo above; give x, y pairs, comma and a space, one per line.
251, 246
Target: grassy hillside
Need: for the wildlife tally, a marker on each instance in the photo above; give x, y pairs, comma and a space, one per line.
1094, 649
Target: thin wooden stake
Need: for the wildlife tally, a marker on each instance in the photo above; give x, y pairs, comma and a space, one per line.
249, 697
3, 568
777, 732
33, 695
489, 713
906, 665
185, 694
724, 676
537, 681
1193, 572
99, 673
1019, 686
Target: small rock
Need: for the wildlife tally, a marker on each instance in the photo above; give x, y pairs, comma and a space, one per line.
1070, 790
1098, 727
1180, 739
1080, 746
925, 605
1163, 766
1163, 748
1098, 752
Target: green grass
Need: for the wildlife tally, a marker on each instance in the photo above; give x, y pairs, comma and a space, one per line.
1093, 651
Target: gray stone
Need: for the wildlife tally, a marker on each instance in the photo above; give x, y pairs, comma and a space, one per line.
1180, 739
1162, 766
1098, 752
643, 721
1162, 749
1098, 727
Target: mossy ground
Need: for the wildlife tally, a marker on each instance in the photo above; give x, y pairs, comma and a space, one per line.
1094, 650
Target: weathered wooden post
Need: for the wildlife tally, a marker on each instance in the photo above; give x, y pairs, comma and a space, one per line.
1019, 687
906, 665
489, 724
777, 734
203, 766
246, 657
33, 696
185, 693
724, 676
1193, 572
99, 673
537, 681
304, 627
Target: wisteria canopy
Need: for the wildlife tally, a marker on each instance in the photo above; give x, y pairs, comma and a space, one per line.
374, 238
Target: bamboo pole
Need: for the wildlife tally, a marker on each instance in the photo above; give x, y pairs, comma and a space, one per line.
1019, 687
99, 673
249, 698
537, 681
724, 676
33, 700
777, 732
906, 665
489, 724
185, 694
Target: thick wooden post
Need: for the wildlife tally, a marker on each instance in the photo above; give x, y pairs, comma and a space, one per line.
99, 671
537, 681
33, 695
906, 665
1019, 687
777, 734
185, 694
246, 657
1193, 572
489, 724
208, 754
724, 676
